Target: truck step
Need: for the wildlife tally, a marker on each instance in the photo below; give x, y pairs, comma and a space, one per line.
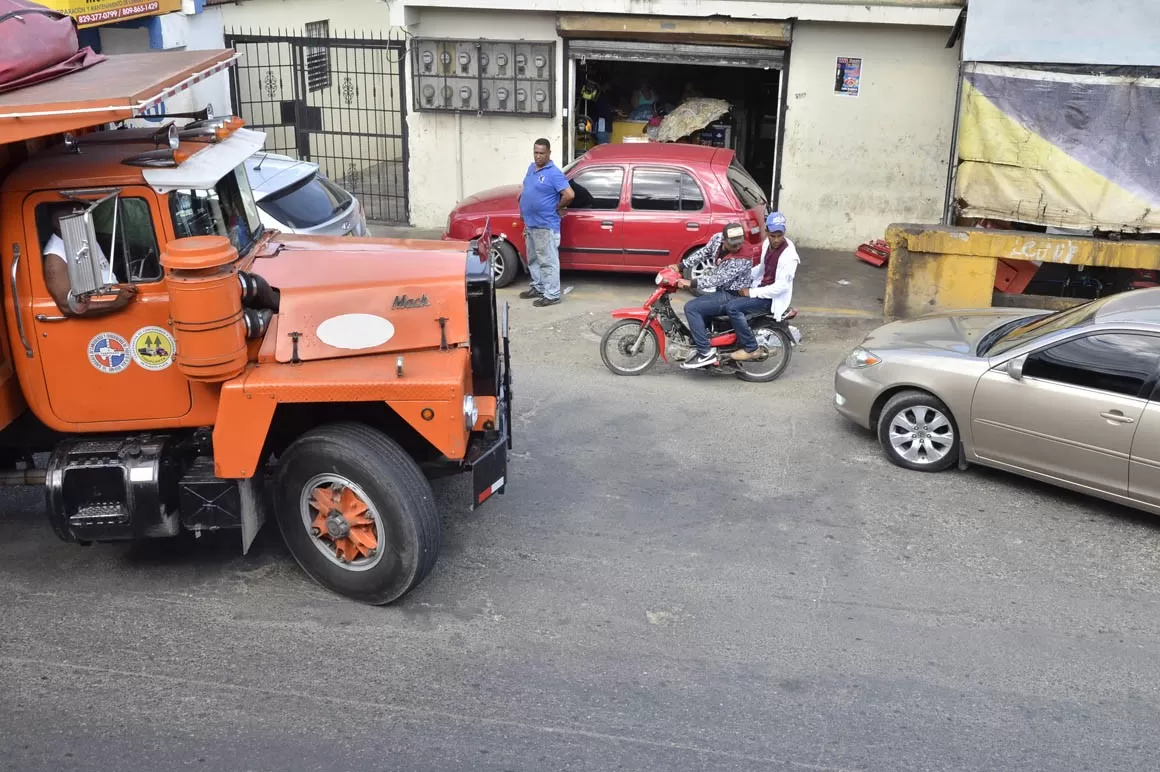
99, 514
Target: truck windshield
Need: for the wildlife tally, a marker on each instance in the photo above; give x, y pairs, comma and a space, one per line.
228, 209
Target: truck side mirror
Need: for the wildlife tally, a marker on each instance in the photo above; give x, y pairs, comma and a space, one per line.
85, 275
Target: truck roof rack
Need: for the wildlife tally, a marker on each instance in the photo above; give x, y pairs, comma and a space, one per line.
121, 87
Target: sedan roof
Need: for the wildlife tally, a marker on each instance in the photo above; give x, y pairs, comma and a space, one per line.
1140, 306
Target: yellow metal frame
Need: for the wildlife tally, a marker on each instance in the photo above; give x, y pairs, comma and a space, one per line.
936, 267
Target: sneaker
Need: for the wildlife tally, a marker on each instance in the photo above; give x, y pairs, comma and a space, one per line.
700, 360
530, 293
741, 355
546, 302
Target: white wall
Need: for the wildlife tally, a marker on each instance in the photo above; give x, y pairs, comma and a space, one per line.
195, 32
853, 165
347, 17
453, 156
933, 12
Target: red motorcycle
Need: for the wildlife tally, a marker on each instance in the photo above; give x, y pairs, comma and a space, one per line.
656, 331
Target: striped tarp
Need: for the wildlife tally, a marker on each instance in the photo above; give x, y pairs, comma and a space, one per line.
1060, 148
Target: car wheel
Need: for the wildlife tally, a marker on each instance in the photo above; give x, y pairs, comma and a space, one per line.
918, 432
505, 262
697, 270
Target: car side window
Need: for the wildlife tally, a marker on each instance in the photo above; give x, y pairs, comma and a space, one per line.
597, 188
1121, 363
665, 190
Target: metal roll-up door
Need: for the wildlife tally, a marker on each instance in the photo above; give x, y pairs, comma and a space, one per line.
679, 53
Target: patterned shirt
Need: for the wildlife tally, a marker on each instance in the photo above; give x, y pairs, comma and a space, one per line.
728, 273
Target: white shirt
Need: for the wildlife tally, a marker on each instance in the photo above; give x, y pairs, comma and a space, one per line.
55, 246
781, 291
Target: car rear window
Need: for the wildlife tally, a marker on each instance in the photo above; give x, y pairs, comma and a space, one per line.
749, 193
311, 202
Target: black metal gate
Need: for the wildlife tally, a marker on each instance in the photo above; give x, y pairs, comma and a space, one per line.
337, 101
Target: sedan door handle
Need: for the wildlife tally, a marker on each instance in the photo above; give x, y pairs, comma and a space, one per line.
692, 226
606, 225
1116, 417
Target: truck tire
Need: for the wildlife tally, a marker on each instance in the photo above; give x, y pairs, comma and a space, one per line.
382, 535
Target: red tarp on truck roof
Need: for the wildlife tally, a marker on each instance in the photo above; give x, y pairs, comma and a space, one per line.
38, 44
121, 87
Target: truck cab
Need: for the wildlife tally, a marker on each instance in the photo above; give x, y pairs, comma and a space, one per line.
327, 377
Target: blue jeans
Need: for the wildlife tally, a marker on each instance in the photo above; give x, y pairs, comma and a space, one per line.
737, 308
718, 304
543, 248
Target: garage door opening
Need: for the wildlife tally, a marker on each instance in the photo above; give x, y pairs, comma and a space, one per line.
620, 91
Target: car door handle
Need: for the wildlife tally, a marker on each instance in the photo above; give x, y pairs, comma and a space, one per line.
606, 225
692, 226
1116, 417
47, 318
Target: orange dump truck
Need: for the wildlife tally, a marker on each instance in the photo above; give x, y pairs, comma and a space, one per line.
330, 376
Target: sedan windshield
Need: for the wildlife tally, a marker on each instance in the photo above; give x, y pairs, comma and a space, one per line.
1045, 325
228, 209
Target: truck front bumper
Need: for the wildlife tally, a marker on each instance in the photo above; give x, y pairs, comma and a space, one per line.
488, 452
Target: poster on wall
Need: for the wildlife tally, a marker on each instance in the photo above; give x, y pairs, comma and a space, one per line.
848, 76
92, 13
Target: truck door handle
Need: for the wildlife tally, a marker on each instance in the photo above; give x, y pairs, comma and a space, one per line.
16, 301
692, 226
606, 225
1115, 416
47, 318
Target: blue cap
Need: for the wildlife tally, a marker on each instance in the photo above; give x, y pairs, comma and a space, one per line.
775, 222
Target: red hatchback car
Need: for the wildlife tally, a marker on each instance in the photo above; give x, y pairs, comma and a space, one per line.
638, 207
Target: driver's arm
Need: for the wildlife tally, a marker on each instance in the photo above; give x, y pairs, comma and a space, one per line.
56, 277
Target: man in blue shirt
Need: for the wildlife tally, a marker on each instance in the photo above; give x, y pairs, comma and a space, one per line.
544, 193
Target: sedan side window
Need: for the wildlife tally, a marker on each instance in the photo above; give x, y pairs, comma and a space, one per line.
665, 190
597, 188
1121, 363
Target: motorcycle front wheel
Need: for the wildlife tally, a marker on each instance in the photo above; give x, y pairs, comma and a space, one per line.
617, 348
776, 342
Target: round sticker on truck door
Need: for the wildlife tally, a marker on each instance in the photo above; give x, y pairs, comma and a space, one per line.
109, 352
152, 348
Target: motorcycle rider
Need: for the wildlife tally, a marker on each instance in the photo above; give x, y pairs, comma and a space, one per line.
771, 288
730, 274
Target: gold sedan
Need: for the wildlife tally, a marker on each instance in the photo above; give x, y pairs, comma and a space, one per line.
1069, 398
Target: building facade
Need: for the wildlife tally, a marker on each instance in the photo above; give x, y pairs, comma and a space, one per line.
843, 111
131, 27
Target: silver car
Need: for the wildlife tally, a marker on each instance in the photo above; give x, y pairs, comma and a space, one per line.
294, 196
1070, 398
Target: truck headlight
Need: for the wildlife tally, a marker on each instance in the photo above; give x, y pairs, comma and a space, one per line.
860, 358
470, 412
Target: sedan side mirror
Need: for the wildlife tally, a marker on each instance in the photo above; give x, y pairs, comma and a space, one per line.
1015, 368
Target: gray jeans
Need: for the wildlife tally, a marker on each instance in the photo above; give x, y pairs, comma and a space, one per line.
543, 247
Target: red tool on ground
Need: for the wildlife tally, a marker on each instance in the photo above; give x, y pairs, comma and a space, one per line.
876, 253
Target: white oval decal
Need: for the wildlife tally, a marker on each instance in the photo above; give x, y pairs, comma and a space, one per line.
355, 331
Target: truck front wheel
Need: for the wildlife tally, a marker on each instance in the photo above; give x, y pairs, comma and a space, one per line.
357, 513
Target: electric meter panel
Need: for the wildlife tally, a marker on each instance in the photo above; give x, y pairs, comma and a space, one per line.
485, 76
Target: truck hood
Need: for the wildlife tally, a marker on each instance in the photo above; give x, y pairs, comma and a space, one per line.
957, 331
344, 297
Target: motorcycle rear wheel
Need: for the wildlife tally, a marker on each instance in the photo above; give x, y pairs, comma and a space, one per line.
617, 342
777, 342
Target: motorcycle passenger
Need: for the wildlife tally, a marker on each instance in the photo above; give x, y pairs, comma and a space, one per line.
730, 274
771, 288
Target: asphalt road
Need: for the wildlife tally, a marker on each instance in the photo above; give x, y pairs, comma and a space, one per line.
687, 573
